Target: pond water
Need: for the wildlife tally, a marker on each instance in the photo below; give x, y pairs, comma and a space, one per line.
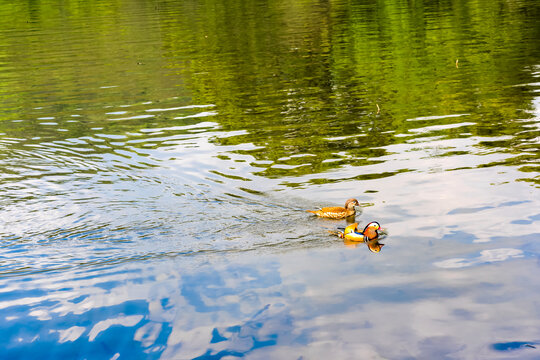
157, 159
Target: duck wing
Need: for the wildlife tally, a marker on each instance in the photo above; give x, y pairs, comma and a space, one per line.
333, 212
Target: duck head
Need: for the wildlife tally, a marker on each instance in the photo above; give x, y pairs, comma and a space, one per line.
371, 230
351, 204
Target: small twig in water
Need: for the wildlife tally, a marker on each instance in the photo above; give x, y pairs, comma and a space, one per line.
457, 63
378, 109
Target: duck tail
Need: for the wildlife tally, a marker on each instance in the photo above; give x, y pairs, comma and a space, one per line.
336, 233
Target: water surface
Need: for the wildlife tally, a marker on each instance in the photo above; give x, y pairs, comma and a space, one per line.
156, 159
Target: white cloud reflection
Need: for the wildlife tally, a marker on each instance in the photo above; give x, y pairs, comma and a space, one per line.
70, 334
105, 324
486, 256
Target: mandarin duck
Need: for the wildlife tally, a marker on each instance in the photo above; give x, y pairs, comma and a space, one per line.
337, 212
369, 235
370, 232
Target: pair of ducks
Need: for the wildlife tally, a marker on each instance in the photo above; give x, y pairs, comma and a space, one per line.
351, 234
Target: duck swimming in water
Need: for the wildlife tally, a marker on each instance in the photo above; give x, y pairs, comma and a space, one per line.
351, 236
337, 212
370, 232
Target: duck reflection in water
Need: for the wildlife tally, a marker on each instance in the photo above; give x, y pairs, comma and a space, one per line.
373, 245
370, 236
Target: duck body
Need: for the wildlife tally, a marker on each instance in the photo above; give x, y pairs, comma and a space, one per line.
337, 212
370, 236
351, 233
369, 233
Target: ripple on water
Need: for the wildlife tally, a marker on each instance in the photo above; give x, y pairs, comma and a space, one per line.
100, 189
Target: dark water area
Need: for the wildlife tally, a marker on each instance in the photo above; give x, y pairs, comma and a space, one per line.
157, 159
